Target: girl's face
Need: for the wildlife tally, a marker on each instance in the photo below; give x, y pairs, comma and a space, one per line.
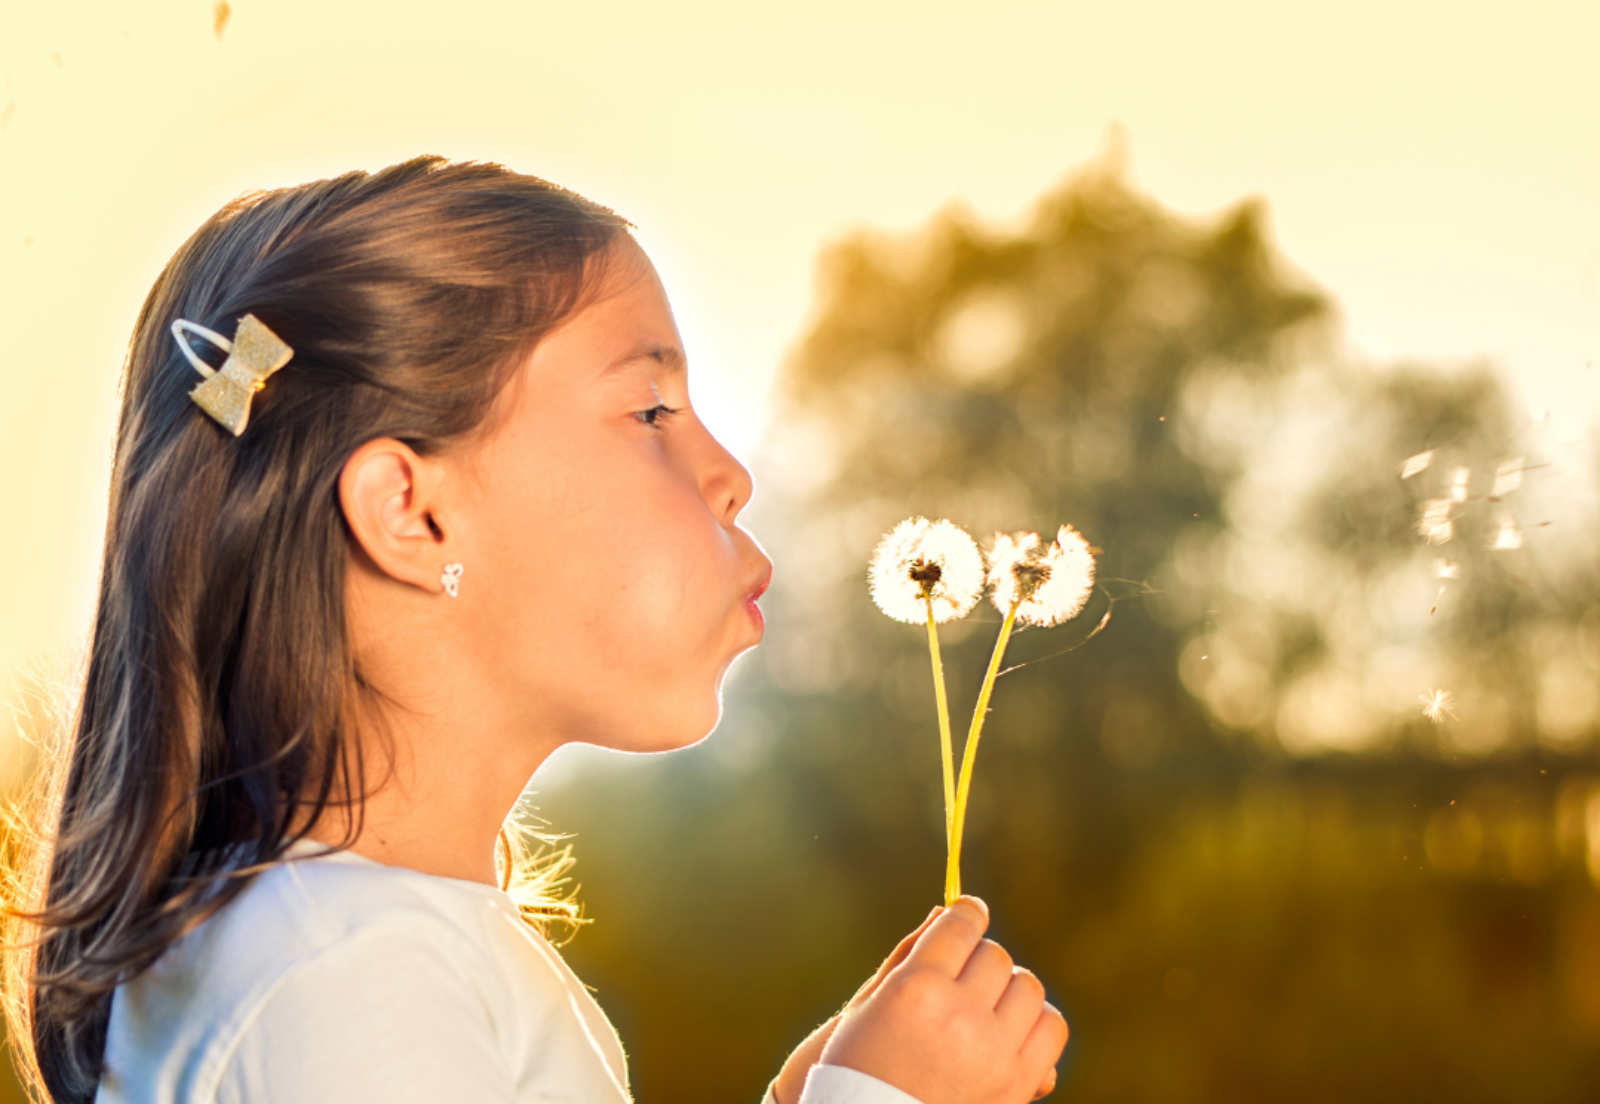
611, 586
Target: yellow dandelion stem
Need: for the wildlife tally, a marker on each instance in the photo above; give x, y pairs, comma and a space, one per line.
944, 722
952, 876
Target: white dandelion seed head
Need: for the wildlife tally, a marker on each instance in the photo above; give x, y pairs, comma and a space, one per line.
1054, 580
1437, 705
1444, 569
1435, 523
917, 556
1507, 478
1006, 551
1416, 464
1458, 485
1509, 537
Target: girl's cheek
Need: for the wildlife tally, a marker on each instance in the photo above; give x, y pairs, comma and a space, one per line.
673, 593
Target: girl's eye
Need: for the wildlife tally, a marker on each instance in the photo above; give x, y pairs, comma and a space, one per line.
656, 414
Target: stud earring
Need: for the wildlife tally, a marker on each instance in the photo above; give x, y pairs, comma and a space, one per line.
450, 578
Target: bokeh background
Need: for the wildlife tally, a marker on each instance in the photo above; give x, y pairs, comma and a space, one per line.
1198, 279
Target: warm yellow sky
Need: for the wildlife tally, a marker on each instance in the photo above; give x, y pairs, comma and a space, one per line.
1437, 165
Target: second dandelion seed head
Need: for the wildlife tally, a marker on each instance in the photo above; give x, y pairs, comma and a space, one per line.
1050, 583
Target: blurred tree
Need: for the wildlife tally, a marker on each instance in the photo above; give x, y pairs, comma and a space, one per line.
1223, 832
1336, 590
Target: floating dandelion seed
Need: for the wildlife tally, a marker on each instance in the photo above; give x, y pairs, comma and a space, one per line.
219, 17
1049, 584
1416, 464
1436, 524
1458, 486
921, 560
1437, 705
1444, 571
1507, 478
1510, 536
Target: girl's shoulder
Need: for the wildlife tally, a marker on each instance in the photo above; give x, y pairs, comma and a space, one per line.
338, 952
317, 903
335, 895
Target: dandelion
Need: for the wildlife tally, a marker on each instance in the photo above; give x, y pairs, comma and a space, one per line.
1416, 465
1039, 586
1458, 486
1444, 569
1048, 585
1435, 523
1437, 705
1509, 536
921, 566
929, 570
1507, 478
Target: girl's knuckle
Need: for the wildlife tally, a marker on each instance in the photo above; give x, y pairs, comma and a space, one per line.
998, 953
1027, 982
1056, 1023
920, 990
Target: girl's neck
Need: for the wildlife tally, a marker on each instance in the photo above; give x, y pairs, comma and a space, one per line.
438, 802
446, 748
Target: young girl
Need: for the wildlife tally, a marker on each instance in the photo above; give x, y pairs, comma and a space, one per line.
443, 508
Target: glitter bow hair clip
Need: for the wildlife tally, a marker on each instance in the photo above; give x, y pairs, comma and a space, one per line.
254, 354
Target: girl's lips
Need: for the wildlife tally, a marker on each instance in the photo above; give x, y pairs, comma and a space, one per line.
750, 602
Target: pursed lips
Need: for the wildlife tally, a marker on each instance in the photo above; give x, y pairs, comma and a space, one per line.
759, 589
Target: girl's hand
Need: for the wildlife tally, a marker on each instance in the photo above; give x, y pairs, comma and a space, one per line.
955, 1022
792, 1078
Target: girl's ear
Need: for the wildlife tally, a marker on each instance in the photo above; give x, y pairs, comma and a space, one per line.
390, 497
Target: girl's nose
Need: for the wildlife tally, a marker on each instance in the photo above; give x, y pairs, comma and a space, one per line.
725, 483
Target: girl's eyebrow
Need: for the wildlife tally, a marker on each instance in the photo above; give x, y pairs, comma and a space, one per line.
670, 357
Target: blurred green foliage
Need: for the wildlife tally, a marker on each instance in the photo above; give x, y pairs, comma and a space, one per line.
1257, 875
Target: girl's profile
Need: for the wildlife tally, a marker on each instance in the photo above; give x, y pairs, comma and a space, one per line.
460, 515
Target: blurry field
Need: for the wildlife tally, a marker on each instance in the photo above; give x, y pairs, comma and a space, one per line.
1246, 865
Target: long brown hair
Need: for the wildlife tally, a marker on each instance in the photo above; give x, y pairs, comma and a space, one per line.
219, 681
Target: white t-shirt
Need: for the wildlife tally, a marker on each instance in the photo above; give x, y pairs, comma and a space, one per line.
335, 978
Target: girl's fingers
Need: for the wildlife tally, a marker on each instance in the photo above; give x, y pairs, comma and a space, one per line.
1019, 1006
951, 938
901, 951
988, 973
1048, 1038
1048, 1085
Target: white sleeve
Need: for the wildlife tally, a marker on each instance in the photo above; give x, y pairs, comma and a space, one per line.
382, 1016
843, 1085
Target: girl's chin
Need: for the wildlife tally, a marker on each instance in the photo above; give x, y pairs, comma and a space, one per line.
658, 744
683, 728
